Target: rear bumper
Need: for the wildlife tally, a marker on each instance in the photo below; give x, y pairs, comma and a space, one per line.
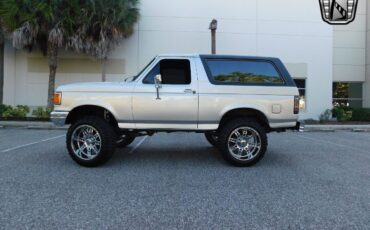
58, 117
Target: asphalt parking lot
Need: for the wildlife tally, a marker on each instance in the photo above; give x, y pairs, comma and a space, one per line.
178, 181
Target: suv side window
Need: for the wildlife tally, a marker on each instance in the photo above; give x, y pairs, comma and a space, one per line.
174, 72
243, 72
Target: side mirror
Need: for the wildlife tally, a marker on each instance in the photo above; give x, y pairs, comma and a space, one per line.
158, 79
158, 82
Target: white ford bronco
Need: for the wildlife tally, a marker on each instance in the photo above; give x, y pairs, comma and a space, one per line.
233, 100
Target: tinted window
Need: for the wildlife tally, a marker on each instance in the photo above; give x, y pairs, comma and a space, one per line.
347, 94
300, 83
175, 72
244, 72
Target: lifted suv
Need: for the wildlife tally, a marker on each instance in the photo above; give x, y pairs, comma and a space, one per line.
234, 100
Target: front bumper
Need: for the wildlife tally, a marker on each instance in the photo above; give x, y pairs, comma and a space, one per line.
58, 117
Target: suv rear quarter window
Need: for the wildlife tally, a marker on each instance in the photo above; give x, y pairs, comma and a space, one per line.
243, 72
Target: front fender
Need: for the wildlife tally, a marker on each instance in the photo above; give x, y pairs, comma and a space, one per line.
118, 104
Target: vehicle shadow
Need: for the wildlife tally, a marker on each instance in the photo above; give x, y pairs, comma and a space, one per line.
164, 155
186, 151
195, 156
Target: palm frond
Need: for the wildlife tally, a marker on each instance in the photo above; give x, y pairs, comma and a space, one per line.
105, 23
94, 27
25, 35
56, 36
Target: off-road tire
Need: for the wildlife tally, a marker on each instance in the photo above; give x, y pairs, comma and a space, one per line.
212, 138
108, 141
223, 138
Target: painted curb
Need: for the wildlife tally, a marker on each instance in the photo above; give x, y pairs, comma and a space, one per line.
32, 127
360, 130
320, 130
355, 130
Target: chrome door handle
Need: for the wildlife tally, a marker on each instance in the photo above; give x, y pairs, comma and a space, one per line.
189, 91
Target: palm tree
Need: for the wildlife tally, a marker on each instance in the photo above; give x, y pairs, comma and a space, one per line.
93, 27
102, 25
44, 24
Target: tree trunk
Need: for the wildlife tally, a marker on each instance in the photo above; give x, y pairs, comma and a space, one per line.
1, 72
104, 69
53, 64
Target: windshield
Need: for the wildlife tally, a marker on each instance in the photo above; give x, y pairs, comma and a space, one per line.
135, 77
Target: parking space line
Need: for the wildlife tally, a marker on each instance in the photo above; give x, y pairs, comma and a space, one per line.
32, 143
137, 145
329, 142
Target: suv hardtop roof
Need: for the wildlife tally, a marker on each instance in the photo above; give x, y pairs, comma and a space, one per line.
219, 56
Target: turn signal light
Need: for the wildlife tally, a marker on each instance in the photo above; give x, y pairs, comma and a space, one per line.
296, 104
57, 98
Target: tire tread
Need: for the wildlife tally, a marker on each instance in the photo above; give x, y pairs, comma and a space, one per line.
225, 131
108, 141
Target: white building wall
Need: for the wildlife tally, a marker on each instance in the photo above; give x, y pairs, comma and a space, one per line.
349, 61
366, 89
289, 29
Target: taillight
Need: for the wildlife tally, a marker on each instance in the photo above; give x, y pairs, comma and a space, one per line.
296, 104
57, 98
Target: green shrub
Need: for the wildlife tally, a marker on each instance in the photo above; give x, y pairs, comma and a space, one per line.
325, 116
342, 113
24, 108
20, 111
4, 108
41, 112
361, 114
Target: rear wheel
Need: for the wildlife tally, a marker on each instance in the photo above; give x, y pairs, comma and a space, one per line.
243, 142
212, 138
91, 141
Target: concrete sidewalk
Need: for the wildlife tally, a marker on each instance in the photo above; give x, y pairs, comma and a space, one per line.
339, 127
306, 128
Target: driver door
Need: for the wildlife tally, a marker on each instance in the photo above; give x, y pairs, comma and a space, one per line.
176, 106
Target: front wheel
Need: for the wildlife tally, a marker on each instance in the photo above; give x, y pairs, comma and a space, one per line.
91, 141
212, 138
243, 142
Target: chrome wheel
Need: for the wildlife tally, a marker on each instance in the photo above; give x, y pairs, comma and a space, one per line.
244, 143
86, 142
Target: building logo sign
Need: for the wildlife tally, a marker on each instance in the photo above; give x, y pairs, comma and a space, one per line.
338, 12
